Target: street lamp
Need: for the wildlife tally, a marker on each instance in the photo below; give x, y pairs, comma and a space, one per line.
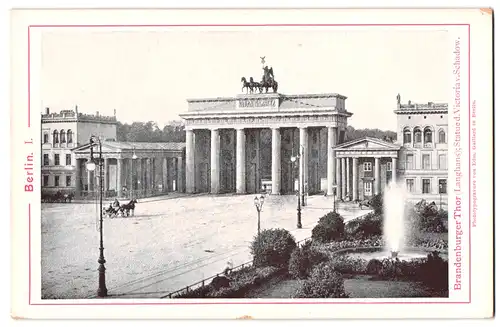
259, 202
334, 202
134, 157
102, 291
299, 218
302, 176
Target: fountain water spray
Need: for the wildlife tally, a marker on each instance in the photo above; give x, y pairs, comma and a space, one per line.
394, 215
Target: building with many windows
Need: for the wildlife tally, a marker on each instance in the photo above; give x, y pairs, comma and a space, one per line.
418, 159
61, 132
423, 134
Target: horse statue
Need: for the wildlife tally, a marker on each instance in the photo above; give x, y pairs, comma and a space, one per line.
247, 85
268, 80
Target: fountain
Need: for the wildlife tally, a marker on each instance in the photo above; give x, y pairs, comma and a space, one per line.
394, 213
394, 230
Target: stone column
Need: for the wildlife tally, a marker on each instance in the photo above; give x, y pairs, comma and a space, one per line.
189, 161
348, 176
178, 185
344, 179
377, 176
106, 176
214, 162
338, 178
303, 159
394, 163
119, 177
78, 176
354, 179
147, 182
332, 141
240, 161
276, 161
130, 182
164, 174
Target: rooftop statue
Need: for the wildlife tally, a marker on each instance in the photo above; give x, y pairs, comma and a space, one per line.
268, 81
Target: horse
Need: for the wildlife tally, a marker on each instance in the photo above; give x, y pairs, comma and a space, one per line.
113, 211
127, 208
247, 85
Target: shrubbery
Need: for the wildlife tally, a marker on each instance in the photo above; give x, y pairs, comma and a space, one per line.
330, 227
324, 282
377, 203
434, 272
240, 283
303, 260
366, 227
273, 248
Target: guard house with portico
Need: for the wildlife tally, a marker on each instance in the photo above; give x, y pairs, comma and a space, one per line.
132, 169
239, 143
364, 167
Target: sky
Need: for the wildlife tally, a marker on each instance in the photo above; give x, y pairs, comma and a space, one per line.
148, 75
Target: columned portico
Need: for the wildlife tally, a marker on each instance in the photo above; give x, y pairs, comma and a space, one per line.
240, 161
249, 140
190, 170
332, 142
355, 179
214, 162
276, 161
131, 169
372, 161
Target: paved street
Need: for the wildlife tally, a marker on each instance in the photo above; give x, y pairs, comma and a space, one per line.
167, 245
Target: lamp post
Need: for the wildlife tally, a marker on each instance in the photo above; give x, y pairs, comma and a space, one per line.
259, 202
334, 202
302, 176
134, 157
102, 291
299, 215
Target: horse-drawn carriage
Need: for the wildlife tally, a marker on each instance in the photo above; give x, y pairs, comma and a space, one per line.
115, 209
59, 196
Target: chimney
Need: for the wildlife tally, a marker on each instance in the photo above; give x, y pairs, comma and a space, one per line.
97, 113
76, 109
47, 110
114, 112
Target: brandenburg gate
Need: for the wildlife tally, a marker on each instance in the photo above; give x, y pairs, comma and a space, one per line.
243, 143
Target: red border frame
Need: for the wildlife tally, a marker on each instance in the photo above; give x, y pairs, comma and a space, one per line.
252, 25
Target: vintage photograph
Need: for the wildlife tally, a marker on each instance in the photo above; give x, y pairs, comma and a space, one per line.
177, 164
252, 164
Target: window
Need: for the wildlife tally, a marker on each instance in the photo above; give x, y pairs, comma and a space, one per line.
45, 180
427, 135
410, 185
426, 161
70, 136
45, 159
367, 166
443, 162
63, 136
56, 137
68, 160
409, 161
56, 160
389, 166
406, 136
426, 186
68, 181
56, 180
442, 136
443, 186
45, 138
368, 188
417, 136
